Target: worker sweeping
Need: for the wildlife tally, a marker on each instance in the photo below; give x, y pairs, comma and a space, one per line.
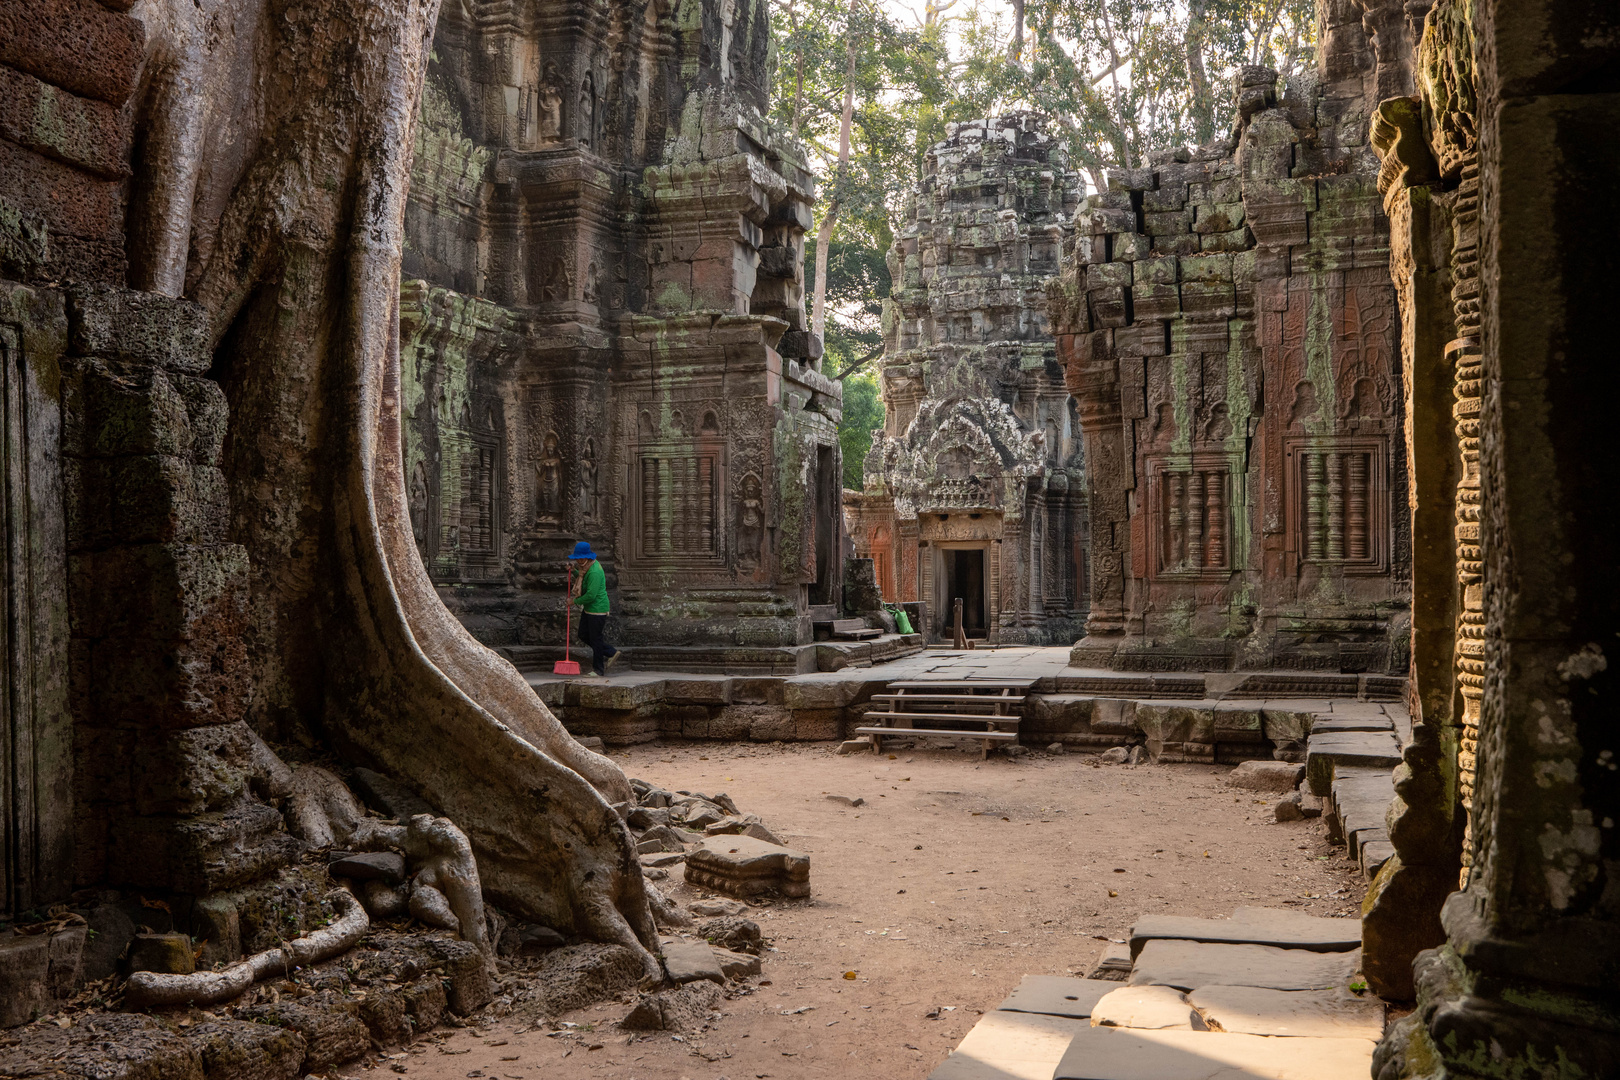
593, 599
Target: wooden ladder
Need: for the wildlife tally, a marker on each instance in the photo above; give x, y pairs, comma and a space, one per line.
983, 709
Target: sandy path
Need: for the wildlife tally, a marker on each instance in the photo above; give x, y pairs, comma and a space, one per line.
957, 878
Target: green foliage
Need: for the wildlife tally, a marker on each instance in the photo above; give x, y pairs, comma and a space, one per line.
863, 413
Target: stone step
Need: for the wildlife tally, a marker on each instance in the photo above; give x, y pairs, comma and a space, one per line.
1254, 1010
1123, 1054
1252, 926
1057, 995
1188, 965
1006, 1045
1144, 1008
1331, 751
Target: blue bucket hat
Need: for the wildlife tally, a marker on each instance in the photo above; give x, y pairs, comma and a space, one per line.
582, 550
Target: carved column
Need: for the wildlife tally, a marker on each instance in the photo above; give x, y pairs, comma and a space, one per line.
1092, 376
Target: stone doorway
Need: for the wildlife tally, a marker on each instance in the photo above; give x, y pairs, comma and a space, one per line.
961, 574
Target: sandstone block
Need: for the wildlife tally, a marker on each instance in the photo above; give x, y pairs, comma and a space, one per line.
385, 866
1253, 926
1010, 1046
76, 44
25, 989
744, 866
682, 1009
1252, 1010
1123, 1054
1056, 995
168, 953
737, 965
239, 1050
687, 961
122, 324
1145, 1007
1188, 965
80, 131
1277, 776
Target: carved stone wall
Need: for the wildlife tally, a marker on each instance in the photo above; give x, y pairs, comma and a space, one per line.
605, 338
1232, 340
979, 456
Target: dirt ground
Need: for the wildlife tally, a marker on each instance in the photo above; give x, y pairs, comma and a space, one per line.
956, 878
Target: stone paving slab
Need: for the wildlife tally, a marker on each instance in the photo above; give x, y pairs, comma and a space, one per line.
1143, 1007
1188, 965
1253, 926
1333, 725
1122, 1054
1011, 1046
1057, 995
1253, 1010
1327, 754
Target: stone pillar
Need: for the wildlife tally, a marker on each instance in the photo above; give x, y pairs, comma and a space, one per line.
1524, 984
36, 738
1093, 379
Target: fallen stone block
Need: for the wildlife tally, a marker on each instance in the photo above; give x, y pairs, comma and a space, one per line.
579, 975
112, 1045
731, 932
1143, 1007
238, 1050
331, 1027
737, 965
169, 953
687, 961
1122, 1054
1114, 965
1057, 995
1278, 776
1188, 965
855, 746
742, 825
385, 866
1254, 1010
743, 866
1252, 926
682, 1009
708, 909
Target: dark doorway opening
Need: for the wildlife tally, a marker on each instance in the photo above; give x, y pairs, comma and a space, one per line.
827, 522
964, 577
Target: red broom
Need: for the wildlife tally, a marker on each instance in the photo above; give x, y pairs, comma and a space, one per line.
565, 666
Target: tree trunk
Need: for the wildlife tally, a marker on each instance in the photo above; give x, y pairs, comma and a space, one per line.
1015, 47
1202, 105
824, 233
295, 246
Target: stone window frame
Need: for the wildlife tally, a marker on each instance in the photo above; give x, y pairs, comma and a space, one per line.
1380, 541
1158, 466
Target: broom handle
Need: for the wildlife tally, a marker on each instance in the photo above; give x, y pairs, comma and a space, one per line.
568, 615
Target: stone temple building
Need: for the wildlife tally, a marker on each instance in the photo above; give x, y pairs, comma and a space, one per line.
974, 486
1343, 386
1232, 339
603, 333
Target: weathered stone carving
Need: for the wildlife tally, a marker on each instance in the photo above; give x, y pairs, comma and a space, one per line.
1230, 338
973, 486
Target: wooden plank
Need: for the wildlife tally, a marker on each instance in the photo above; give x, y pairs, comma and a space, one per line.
1000, 736
979, 718
965, 684
978, 699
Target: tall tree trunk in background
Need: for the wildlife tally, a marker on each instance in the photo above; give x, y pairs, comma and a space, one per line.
1015, 47
798, 65
1203, 102
824, 233
294, 249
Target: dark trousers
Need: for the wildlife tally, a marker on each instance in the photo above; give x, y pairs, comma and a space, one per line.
591, 629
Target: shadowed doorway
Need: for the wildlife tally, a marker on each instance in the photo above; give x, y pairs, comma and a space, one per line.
962, 576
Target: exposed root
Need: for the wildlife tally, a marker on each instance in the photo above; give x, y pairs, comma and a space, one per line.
146, 989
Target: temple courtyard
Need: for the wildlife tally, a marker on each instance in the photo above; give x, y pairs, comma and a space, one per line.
952, 880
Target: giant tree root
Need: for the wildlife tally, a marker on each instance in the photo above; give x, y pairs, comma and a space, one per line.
151, 988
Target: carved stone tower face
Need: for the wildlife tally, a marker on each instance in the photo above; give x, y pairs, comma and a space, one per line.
648, 373
968, 486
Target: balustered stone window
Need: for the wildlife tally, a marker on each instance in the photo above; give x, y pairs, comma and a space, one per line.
1190, 499
1338, 502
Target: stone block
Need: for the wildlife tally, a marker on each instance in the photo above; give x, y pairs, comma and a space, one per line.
1252, 1010
688, 961
743, 866
1273, 776
1129, 247
1112, 221
1056, 995
1108, 307
1217, 217
145, 500
385, 866
1010, 1046
77, 45
25, 988
217, 927
115, 1045
1188, 965
1108, 275
129, 412
174, 683
330, 1026
1161, 271
1143, 1007
112, 323
192, 770
1165, 198
166, 591
1236, 722
240, 1050
1327, 753
685, 1008
1174, 723
80, 131
1239, 239
1114, 716
1125, 1054
68, 200
1252, 926
114, 930
200, 854
1131, 179
169, 954
1168, 222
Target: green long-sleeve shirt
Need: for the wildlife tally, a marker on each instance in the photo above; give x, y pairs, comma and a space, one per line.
593, 594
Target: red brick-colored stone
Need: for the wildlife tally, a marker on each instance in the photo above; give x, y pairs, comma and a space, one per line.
80, 131
76, 44
70, 200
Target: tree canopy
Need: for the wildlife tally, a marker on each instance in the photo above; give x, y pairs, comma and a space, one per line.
869, 87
